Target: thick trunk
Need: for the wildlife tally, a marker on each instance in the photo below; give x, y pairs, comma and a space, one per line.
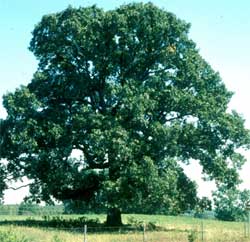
114, 217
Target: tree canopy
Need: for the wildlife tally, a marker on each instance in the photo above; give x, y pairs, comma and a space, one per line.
128, 91
231, 204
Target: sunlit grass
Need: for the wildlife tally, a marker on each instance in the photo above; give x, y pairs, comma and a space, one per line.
178, 229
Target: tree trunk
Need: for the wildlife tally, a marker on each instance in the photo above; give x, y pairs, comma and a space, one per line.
114, 217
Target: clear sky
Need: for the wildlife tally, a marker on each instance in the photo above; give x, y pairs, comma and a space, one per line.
221, 29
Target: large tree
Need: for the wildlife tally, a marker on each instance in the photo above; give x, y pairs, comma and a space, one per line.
128, 91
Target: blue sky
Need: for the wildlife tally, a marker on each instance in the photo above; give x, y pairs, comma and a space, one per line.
221, 30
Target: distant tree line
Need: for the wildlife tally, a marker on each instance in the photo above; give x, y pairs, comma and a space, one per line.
30, 209
228, 205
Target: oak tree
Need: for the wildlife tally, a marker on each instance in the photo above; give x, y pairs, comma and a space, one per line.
128, 91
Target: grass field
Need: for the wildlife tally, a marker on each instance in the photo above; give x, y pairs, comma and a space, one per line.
178, 229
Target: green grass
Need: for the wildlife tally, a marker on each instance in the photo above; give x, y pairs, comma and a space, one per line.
178, 229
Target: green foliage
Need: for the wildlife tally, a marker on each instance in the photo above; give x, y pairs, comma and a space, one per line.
81, 207
134, 221
9, 209
128, 91
230, 204
61, 222
203, 205
34, 209
48, 221
30, 209
139, 224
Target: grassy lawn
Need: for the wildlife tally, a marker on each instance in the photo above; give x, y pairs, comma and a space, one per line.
178, 230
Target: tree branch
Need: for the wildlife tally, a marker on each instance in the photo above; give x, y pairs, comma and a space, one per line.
17, 188
98, 166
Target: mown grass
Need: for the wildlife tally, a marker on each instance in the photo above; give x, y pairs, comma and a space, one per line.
177, 230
